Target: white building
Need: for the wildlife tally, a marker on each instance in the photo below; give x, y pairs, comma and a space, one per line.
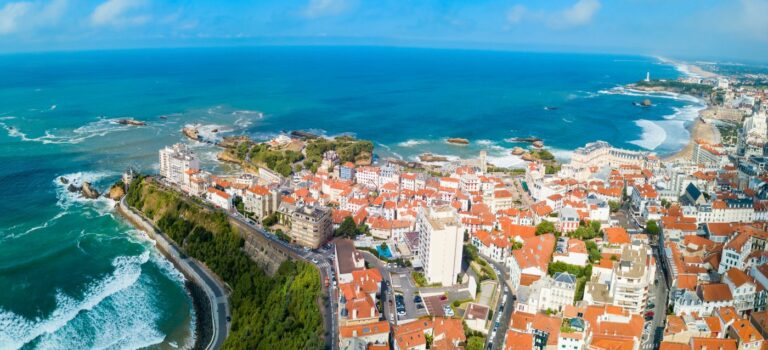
220, 198
547, 293
440, 244
631, 279
261, 201
175, 160
742, 288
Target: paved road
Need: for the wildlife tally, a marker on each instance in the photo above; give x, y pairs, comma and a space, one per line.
654, 332
501, 313
197, 272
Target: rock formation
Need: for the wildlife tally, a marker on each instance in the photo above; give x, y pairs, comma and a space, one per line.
458, 141
116, 192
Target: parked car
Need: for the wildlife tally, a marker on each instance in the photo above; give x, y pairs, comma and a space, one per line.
417, 299
443, 297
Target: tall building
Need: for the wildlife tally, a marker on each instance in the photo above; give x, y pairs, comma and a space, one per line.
175, 160
309, 226
261, 201
440, 244
630, 280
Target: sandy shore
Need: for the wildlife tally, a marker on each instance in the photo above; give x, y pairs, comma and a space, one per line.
694, 69
699, 130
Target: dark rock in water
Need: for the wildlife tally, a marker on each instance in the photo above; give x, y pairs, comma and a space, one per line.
63, 180
130, 121
89, 192
163, 117
73, 188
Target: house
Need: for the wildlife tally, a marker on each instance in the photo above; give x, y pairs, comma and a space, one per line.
571, 251
532, 259
220, 198
369, 334
705, 300
742, 288
547, 294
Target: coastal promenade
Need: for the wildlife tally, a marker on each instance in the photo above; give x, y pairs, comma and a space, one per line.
193, 270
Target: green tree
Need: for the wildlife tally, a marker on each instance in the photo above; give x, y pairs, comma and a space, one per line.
594, 252
614, 206
652, 228
475, 343
347, 229
545, 227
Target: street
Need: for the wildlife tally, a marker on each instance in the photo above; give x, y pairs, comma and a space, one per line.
502, 312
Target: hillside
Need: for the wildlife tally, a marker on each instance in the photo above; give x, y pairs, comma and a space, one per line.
277, 312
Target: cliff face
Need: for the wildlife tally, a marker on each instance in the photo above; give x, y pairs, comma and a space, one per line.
116, 192
227, 156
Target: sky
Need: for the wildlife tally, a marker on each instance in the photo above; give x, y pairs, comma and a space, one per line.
688, 29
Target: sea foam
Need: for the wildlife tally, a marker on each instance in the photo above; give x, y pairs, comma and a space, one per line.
653, 135
16, 330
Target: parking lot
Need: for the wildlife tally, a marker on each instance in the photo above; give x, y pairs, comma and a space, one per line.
435, 304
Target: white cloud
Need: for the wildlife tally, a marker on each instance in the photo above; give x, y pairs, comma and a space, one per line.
118, 13
320, 8
11, 15
516, 14
753, 18
579, 14
20, 16
54, 10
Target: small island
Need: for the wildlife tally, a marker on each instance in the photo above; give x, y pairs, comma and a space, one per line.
457, 141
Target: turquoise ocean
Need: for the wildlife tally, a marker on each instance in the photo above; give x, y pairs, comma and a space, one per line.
75, 276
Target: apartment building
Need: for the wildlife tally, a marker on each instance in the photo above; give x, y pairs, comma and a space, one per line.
308, 226
440, 243
175, 160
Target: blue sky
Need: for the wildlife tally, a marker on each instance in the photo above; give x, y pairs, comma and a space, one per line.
730, 29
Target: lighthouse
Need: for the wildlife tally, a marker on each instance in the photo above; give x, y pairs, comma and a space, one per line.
647, 76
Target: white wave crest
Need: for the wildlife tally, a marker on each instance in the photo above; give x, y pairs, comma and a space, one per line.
66, 199
412, 143
16, 330
653, 135
101, 127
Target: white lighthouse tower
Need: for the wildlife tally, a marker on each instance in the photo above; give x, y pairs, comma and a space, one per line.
647, 76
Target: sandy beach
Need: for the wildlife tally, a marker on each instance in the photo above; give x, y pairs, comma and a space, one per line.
699, 130
694, 69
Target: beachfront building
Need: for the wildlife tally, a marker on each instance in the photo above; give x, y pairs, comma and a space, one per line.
600, 154
709, 154
308, 226
440, 244
175, 160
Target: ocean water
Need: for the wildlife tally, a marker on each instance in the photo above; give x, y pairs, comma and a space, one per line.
76, 276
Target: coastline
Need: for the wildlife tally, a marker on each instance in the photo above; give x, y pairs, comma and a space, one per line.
203, 298
699, 130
